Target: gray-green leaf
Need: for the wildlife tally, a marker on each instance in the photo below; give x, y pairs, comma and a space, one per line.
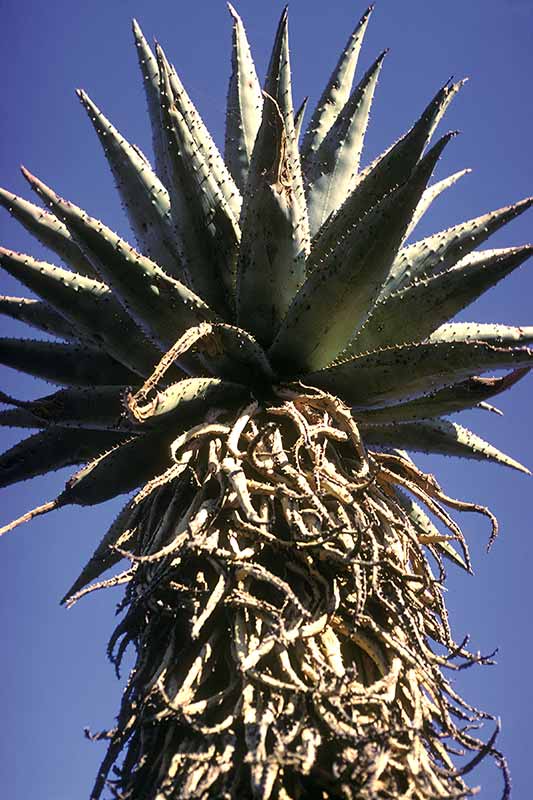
439, 436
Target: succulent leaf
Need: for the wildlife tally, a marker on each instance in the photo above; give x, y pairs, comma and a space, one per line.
339, 294
278, 86
418, 310
330, 172
144, 197
150, 74
431, 194
48, 230
66, 364
120, 470
207, 149
39, 315
18, 418
271, 266
466, 394
205, 223
494, 334
439, 436
275, 232
51, 450
444, 249
299, 118
104, 555
336, 91
94, 408
160, 304
244, 108
89, 306
408, 371
389, 170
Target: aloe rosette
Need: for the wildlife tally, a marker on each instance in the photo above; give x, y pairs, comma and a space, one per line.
256, 371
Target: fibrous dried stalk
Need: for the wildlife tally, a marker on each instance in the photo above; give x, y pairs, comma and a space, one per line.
291, 635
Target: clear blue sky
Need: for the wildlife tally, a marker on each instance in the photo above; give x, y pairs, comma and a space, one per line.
54, 678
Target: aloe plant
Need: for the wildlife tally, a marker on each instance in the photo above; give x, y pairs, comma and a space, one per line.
255, 371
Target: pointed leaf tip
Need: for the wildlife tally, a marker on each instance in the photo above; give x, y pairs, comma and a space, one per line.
143, 196
244, 105
338, 132
33, 180
443, 437
336, 92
